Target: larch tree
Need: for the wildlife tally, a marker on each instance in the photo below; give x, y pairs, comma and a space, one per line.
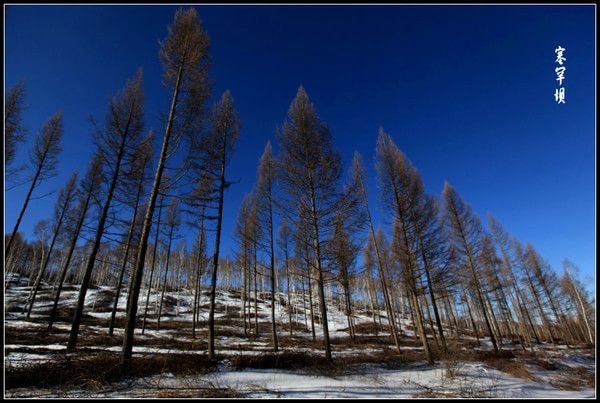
43, 158
122, 131
88, 189
134, 180
403, 190
14, 131
546, 280
243, 230
184, 56
64, 201
225, 128
465, 234
535, 293
284, 241
267, 167
515, 291
576, 291
172, 222
310, 173
344, 253
200, 202
153, 264
373, 246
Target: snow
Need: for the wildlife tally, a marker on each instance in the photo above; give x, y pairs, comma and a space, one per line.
374, 380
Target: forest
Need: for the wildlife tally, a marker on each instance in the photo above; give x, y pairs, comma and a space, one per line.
110, 289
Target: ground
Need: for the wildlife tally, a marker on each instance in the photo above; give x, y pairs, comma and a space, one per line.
171, 363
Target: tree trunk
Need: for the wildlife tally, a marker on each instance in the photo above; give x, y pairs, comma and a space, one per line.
153, 262
98, 239
125, 257
38, 279
137, 275
162, 296
65, 268
211, 314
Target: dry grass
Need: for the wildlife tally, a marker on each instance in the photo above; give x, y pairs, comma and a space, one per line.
282, 360
195, 393
367, 328
101, 370
574, 379
505, 361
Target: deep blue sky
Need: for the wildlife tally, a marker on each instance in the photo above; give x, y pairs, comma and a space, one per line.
465, 91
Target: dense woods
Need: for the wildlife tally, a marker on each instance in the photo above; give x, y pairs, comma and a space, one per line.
306, 228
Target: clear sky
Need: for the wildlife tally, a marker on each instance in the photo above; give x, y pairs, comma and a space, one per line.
467, 92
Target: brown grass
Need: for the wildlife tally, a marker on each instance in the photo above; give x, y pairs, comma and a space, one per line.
505, 361
283, 360
195, 393
102, 369
574, 379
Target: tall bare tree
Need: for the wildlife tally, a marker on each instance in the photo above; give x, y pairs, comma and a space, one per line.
63, 205
14, 132
135, 179
515, 291
43, 159
576, 291
265, 188
284, 240
184, 55
88, 188
172, 221
152, 265
122, 131
402, 191
373, 245
225, 128
465, 234
310, 174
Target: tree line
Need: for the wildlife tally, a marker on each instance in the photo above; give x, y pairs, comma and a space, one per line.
120, 224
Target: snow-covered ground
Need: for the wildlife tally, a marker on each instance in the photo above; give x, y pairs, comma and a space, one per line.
28, 344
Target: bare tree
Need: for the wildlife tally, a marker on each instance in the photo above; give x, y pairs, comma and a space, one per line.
403, 191
14, 132
285, 238
576, 291
310, 174
63, 204
172, 221
184, 55
243, 233
152, 265
88, 189
373, 245
135, 179
465, 234
225, 131
124, 125
266, 181
43, 158
515, 291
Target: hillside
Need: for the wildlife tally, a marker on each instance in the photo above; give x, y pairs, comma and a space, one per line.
170, 363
